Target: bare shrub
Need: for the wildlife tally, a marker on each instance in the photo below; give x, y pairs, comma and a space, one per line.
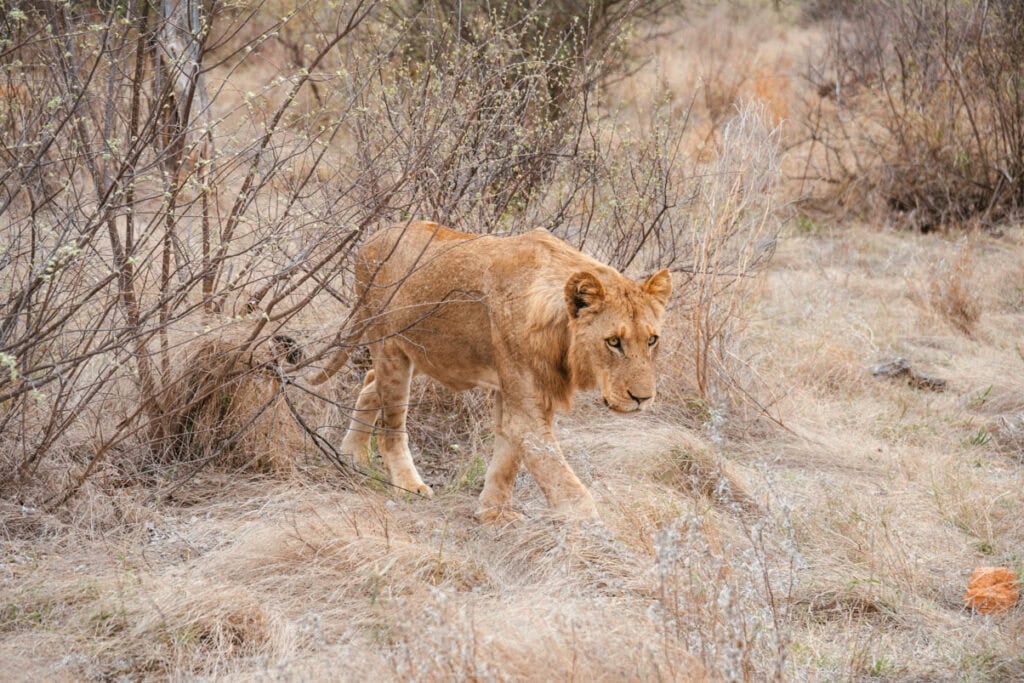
733, 237
445, 647
929, 109
725, 606
817, 10
494, 131
134, 206
731, 64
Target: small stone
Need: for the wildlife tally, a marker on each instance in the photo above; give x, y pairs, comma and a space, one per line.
992, 590
900, 367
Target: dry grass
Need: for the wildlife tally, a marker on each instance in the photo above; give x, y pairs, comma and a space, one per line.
226, 406
952, 292
877, 506
833, 544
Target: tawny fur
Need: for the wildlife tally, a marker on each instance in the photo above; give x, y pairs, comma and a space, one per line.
528, 317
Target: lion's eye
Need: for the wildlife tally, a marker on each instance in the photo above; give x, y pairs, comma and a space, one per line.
652, 340
614, 342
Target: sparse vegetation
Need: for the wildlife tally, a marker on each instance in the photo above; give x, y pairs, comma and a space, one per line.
927, 111
183, 186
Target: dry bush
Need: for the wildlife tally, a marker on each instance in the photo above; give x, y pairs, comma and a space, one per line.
443, 646
225, 407
818, 10
158, 217
497, 153
733, 237
953, 292
732, 224
928, 108
733, 64
726, 605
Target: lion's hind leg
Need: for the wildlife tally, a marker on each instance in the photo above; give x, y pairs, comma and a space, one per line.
364, 417
393, 376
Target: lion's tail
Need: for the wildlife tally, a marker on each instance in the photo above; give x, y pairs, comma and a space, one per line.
340, 357
337, 362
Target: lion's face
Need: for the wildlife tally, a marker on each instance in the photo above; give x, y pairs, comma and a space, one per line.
616, 336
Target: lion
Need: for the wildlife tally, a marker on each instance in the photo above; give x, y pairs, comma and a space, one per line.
526, 316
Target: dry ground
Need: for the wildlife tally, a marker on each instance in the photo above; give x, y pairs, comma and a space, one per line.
877, 499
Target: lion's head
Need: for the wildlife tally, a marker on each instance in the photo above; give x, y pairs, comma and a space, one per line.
614, 336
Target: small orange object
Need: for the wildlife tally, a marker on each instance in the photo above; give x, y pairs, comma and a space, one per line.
992, 590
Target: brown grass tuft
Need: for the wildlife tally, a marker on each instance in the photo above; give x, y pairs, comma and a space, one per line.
202, 629
952, 292
695, 468
224, 406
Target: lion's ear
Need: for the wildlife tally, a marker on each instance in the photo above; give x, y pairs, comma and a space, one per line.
659, 286
583, 290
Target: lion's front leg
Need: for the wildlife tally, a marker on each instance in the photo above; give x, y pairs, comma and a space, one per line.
563, 489
496, 498
528, 437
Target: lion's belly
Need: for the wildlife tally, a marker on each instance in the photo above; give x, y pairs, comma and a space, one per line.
474, 370
461, 379
453, 345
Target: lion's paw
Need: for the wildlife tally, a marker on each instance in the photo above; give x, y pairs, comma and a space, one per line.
578, 510
498, 515
417, 487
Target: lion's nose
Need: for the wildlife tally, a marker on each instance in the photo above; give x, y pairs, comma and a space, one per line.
640, 400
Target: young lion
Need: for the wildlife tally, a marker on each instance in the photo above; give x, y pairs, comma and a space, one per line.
528, 317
